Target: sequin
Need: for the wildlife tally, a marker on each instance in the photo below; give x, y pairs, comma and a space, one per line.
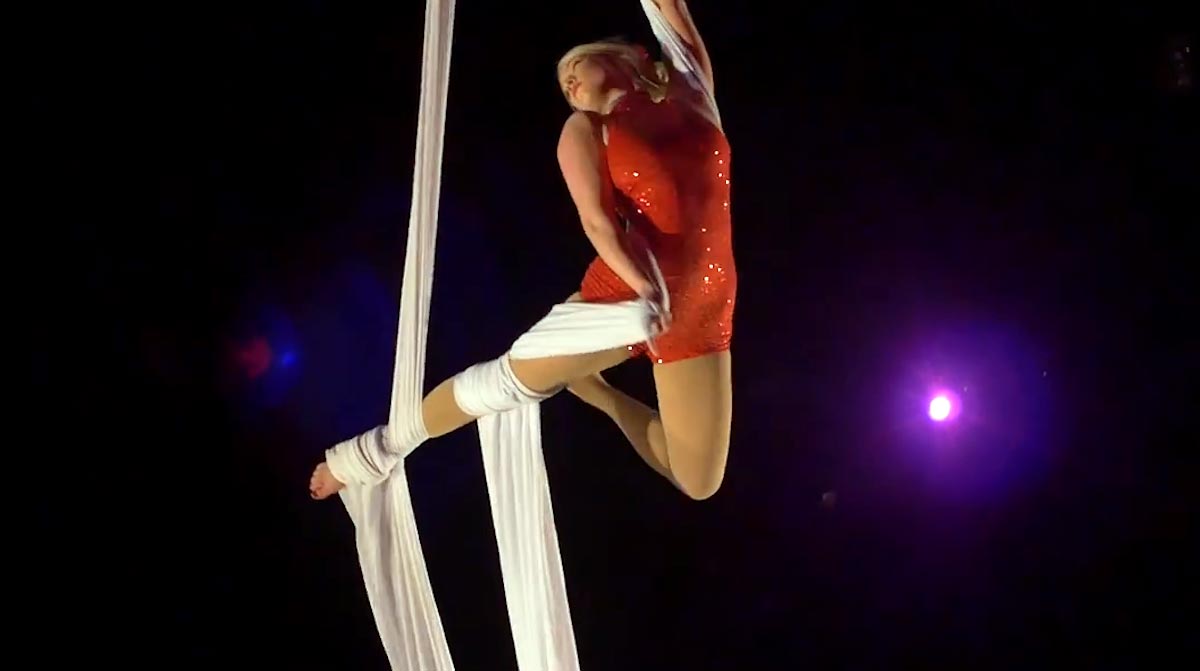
682, 212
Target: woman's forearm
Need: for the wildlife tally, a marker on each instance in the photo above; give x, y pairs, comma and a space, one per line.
603, 234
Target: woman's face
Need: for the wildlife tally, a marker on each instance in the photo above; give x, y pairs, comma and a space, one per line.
582, 80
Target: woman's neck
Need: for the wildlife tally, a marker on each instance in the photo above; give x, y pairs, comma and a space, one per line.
611, 98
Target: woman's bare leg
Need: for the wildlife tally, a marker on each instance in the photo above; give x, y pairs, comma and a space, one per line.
641, 424
695, 399
687, 439
442, 414
691, 427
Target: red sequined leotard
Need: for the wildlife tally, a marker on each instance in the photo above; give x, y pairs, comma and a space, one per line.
671, 165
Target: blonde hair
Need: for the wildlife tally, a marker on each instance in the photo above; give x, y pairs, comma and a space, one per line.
647, 74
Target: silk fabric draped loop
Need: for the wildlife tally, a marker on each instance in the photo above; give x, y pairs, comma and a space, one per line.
372, 464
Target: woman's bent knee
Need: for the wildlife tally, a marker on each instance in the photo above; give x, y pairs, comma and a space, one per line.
700, 488
698, 470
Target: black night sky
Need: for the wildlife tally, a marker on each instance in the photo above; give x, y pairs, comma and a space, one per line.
991, 197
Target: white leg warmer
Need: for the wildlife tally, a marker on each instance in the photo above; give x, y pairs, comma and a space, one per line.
368, 458
490, 387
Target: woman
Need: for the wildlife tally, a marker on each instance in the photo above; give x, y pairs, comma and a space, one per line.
644, 147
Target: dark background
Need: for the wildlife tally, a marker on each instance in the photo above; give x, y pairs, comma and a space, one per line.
992, 196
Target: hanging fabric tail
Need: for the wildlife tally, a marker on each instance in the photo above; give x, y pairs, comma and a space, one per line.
408, 381
389, 548
534, 587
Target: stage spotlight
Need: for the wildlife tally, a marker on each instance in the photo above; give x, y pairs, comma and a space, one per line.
944, 405
939, 408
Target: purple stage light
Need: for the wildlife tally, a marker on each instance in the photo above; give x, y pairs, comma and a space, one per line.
939, 408
944, 405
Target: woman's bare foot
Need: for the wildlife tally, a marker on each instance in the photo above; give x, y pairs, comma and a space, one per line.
322, 485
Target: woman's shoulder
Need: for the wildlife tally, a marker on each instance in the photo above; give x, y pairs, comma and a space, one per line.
581, 123
580, 132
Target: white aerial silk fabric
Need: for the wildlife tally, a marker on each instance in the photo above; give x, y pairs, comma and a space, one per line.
372, 464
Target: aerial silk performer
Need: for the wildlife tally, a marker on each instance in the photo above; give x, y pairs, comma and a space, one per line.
647, 163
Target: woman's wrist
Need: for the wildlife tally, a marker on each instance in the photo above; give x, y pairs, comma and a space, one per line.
644, 288
607, 241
